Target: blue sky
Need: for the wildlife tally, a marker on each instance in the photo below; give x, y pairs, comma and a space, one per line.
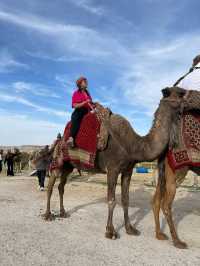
128, 50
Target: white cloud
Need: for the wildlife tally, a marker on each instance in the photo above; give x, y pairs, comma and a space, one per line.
36, 89
65, 81
18, 99
82, 41
8, 63
155, 67
39, 24
22, 130
88, 6
44, 55
68, 36
164, 50
141, 74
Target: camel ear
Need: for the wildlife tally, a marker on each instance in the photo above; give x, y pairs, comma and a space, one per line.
166, 92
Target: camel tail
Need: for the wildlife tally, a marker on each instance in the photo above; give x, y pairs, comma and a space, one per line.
161, 175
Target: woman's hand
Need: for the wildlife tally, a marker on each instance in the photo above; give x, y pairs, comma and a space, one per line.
79, 105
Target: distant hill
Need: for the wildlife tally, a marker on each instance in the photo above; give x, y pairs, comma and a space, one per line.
25, 148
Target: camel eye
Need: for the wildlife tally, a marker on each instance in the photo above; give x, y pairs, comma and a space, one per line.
166, 92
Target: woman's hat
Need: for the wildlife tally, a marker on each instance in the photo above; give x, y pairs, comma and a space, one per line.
79, 81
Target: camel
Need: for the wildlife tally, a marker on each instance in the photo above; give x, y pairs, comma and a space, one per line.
124, 149
164, 197
169, 180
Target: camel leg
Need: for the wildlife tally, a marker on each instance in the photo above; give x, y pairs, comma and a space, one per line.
112, 182
52, 179
61, 187
125, 183
167, 205
156, 211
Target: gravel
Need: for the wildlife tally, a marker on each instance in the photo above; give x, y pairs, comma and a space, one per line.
26, 239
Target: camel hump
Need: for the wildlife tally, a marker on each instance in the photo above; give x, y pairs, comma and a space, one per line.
122, 129
119, 123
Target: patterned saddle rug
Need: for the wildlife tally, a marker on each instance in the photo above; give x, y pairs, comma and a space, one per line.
92, 136
187, 152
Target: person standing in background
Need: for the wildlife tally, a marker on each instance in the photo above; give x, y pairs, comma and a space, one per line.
42, 165
1, 160
9, 160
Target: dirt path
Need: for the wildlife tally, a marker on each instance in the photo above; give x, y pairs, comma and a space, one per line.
26, 239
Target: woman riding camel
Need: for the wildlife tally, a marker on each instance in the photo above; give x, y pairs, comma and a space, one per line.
82, 104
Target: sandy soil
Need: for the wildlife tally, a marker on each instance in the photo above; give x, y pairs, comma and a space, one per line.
26, 239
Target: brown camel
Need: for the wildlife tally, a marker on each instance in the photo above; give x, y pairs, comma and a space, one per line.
168, 180
164, 197
125, 148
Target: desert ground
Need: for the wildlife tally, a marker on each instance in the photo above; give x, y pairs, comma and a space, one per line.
26, 239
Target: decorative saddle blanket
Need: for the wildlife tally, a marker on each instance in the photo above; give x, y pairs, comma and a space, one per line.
187, 152
92, 136
83, 154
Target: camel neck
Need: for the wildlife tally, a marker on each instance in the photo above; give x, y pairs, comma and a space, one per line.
149, 147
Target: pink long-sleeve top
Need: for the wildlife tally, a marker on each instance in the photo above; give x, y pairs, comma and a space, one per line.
79, 97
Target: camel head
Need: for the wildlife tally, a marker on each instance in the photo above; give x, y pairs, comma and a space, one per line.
174, 93
175, 97
188, 99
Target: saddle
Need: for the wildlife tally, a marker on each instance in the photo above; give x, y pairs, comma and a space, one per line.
185, 150
92, 137
103, 115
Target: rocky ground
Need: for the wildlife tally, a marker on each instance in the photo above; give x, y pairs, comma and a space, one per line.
26, 239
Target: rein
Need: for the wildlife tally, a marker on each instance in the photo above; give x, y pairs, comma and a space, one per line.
181, 78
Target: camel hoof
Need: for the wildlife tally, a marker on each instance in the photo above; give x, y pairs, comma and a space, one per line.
111, 235
64, 214
130, 230
180, 244
161, 236
48, 217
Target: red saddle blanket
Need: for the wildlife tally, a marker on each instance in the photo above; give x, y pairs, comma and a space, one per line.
188, 152
83, 155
